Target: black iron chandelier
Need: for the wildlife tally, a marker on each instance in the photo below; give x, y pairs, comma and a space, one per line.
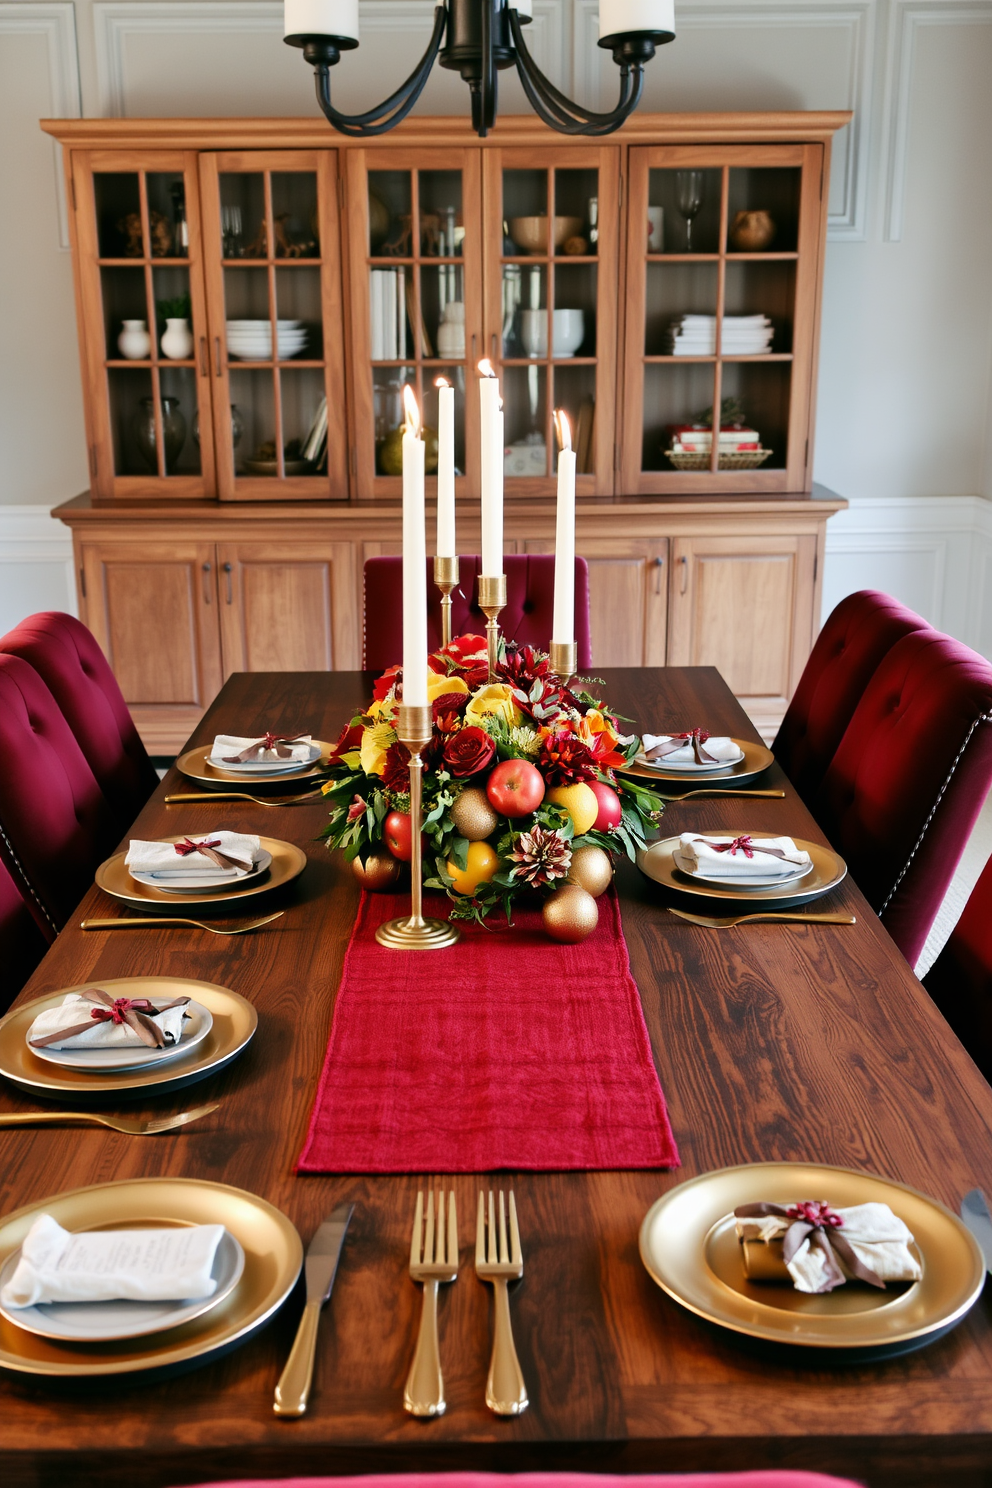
481, 37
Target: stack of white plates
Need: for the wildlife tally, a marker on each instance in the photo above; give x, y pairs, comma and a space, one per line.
251, 340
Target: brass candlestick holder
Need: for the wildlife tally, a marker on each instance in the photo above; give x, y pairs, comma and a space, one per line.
446, 579
492, 599
564, 657
414, 727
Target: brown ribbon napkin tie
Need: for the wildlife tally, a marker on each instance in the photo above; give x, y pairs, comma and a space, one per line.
747, 846
696, 737
277, 743
130, 1010
209, 850
821, 1224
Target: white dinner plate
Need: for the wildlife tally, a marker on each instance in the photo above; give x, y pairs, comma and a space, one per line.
128, 1057
100, 1322
190, 883
689, 767
733, 880
252, 325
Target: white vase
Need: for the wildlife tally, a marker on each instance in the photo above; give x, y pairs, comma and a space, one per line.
177, 342
134, 342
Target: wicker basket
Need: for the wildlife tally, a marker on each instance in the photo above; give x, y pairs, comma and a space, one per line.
738, 460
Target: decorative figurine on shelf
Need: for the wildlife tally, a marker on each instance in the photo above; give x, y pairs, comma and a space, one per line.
129, 228
259, 247
752, 232
161, 235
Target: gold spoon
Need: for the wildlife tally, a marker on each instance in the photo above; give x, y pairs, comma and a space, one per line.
160, 920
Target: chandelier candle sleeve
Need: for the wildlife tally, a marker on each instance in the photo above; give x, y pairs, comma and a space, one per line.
321, 18
492, 471
445, 470
628, 17
563, 620
414, 560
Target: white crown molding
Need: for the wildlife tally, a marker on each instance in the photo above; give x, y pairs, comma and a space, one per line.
906, 19
57, 23
857, 17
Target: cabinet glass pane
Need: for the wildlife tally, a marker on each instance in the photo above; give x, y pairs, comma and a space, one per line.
298, 299
763, 209
689, 202
767, 289
387, 395
242, 214
172, 302
294, 214
574, 332
525, 212
526, 420
575, 392
389, 318
178, 393
118, 214
673, 291
673, 395
253, 395
389, 214
761, 391
576, 210
124, 299
442, 311
442, 230
303, 419
167, 214
130, 393
525, 314
456, 377
248, 323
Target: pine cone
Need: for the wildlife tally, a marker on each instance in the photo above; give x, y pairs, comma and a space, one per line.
541, 857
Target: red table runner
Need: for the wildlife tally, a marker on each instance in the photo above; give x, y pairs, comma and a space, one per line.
504, 1051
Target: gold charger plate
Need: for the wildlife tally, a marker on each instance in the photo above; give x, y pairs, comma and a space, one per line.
288, 862
234, 1023
194, 765
657, 862
689, 1246
756, 760
273, 1257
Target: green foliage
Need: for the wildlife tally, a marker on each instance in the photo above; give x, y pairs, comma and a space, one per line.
177, 309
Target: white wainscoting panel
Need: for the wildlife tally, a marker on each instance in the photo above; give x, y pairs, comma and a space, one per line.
36, 568
57, 23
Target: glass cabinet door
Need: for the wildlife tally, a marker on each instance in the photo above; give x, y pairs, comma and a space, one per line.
550, 331
415, 259
145, 324
276, 348
721, 255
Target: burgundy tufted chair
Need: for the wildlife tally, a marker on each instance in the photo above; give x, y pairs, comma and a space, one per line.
22, 944
854, 639
761, 1478
530, 579
901, 795
55, 823
74, 669
960, 980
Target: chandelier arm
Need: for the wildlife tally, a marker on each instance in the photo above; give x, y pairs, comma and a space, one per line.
558, 110
487, 87
393, 109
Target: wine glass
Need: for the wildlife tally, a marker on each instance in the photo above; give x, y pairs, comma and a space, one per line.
690, 188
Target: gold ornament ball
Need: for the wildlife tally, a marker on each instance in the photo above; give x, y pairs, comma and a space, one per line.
591, 869
570, 914
473, 816
379, 872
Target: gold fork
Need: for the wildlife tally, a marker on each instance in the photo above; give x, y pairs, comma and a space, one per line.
506, 1393
243, 796
725, 923
129, 1125
431, 1262
768, 795
160, 920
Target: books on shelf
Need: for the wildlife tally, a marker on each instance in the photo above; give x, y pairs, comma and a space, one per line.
315, 445
694, 440
388, 314
742, 335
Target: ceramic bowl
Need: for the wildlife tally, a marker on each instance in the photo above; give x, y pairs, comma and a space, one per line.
531, 233
569, 332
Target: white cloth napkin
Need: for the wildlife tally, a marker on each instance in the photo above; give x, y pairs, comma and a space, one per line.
718, 745
226, 746
161, 860
110, 1265
699, 852
103, 1034
878, 1238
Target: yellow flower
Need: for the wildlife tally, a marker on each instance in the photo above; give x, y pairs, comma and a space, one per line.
377, 706
438, 685
375, 741
594, 723
495, 699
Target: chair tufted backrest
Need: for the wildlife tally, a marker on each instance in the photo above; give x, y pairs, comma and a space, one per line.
55, 823
854, 639
22, 944
69, 661
530, 579
960, 980
903, 791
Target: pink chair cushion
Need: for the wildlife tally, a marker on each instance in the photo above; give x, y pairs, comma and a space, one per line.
22, 944
530, 579
55, 824
902, 793
69, 661
854, 639
960, 980
762, 1478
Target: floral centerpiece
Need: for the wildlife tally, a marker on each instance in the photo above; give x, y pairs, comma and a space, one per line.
520, 791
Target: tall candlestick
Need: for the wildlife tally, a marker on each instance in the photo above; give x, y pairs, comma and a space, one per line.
414, 559
563, 620
445, 469
492, 471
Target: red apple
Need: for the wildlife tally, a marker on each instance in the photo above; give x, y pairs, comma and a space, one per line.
515, 788
397, 835
610, 810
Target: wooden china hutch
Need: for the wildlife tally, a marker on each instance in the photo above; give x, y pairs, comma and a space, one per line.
316, 274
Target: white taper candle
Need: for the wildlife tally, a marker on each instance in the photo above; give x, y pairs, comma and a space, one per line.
445, 470
563, 618
414, 559
492, 471
321, 18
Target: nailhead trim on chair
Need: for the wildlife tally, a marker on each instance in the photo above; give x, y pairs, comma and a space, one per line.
26, 881
982, 718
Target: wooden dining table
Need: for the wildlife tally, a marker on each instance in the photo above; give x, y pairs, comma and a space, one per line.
772, 1042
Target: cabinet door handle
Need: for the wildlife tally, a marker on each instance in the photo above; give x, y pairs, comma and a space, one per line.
219, 367
685, 574
475, 340
230, 594
206, 568
204, 359
493, 345
659, 564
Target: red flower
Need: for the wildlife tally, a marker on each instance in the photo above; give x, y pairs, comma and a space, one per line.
382, 684
396, 771
349, 738
522, 665
465, 657
469, 751
357, 808
450, 705
564, 759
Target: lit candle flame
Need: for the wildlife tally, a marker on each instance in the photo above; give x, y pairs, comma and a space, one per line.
440, 382
564, 432
486, 368
412, 425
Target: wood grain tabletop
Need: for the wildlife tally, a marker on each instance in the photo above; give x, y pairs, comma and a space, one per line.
771, 1042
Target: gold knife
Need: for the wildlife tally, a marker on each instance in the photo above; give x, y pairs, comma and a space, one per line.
323, 1253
